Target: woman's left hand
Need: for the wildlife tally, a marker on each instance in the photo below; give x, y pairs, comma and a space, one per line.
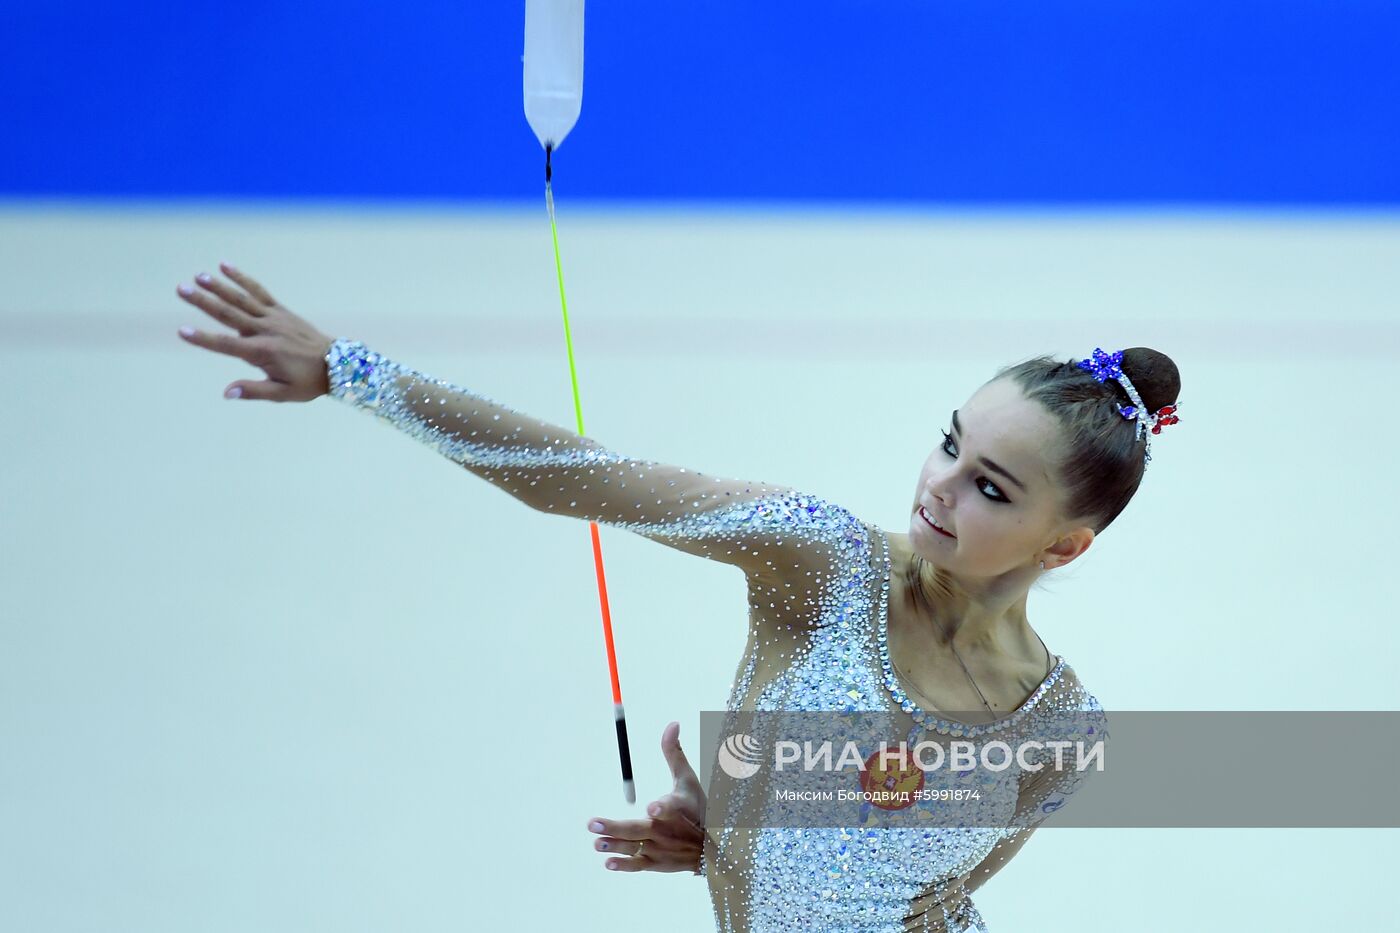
674, 836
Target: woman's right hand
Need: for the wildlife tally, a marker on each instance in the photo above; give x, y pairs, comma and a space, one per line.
272, 338
674, 836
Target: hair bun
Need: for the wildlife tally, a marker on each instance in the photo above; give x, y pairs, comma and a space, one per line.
1102, 465
1153, 375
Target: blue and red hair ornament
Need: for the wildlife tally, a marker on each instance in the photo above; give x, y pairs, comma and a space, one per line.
1107, 366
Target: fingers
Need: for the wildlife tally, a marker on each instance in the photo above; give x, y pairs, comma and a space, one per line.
624, 837
632, 864
242, 347
622, 846
627, 838
671, 748
654, 856
265, 391
622, 829
217, 308
249, 283
233, 296
672, 813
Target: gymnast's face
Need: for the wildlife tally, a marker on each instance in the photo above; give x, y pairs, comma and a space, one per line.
989, 483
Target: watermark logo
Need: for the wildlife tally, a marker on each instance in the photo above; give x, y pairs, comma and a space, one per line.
857, 768
739, 756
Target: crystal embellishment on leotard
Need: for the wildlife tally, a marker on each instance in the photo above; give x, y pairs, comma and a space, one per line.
818, 594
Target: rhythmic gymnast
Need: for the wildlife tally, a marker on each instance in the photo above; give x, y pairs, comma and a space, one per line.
919, 624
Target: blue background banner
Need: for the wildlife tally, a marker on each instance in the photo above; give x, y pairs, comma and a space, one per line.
1283, 102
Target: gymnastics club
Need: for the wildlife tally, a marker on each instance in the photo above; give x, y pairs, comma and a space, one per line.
553, 97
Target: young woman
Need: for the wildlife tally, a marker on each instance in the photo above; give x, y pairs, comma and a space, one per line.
843, 616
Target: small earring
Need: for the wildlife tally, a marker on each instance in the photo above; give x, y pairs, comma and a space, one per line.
1042, 565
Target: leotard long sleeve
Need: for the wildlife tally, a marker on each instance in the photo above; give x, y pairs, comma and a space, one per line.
554, 470
818, 584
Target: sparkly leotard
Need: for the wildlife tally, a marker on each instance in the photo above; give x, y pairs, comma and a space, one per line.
818, 587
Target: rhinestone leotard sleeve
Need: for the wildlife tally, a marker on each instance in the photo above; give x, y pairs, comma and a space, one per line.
554, 470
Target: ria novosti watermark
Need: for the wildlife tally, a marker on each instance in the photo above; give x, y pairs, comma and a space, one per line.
1167, 769
894, 775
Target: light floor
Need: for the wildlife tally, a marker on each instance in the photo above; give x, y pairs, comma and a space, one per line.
272, 667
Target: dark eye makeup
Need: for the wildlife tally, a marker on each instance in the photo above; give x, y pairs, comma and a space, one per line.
999, 497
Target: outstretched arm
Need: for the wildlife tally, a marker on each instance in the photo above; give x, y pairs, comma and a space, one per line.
760, 527
765, 529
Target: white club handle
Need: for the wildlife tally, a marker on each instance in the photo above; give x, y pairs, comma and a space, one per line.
553, 68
